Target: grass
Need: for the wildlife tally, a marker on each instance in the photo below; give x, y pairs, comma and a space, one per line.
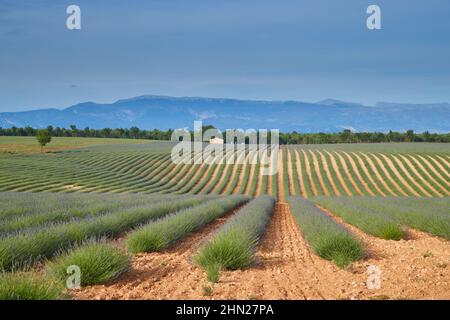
328, 239
425, 214
164, 232
46, 209
98, 262
213, 272
377, 224
30, 144
232, 247
403, 147
30, 286
24, 249
295, 178
207, 290
86, 165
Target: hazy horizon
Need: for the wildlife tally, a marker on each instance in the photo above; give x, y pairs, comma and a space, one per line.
219, 97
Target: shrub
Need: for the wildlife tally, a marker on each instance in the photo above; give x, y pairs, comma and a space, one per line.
213, 272
233, 245
22, 250
425, 214
377, 223
328, 239
29, 286
98, 263
164, 232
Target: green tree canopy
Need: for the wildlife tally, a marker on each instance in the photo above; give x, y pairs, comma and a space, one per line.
43, 137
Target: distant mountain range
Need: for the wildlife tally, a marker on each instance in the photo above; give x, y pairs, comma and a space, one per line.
160, 112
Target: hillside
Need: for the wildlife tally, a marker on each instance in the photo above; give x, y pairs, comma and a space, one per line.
149, 112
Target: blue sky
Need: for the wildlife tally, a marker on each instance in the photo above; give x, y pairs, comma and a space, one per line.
255, 49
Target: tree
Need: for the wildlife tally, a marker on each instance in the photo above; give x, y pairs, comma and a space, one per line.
134, 132
409, 136
43, 137
74, 130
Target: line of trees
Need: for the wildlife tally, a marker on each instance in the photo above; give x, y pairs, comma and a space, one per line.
73, 131
348, 136
345, 136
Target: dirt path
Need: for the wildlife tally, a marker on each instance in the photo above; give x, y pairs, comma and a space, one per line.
444, 160
222, 178
386, 173
408, 175
368, 175
213, 177
358, 174
260, 178
433, 169
199, 177
290, 172
165, 178
318, 173
251, 173
328, 173
161, 275
285, 268
233, 172
411, 269
309, 174
398, 175
224, 173
347, 172
420, 176
439, 165
182, 175
270, 176
378, 175
281, 196
242, 174
299, 174
417, 268
338, 173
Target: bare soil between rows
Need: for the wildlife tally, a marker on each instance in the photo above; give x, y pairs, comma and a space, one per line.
285, 268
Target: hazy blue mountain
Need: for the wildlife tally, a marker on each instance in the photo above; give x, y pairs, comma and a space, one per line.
149, 112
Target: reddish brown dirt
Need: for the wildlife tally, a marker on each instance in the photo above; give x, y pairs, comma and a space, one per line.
161, 275
281, 196
285, 268
309, 174
242, 174
433, 169
415, 268
386, 174
251, 175
318, 173
328, 173
338, 173
368, 175
408, 175
222, 178
347, 172
398, 175
300, 175
377, 174
358, 173
233, 172
269, 179
290, 172
421, 175
260, 180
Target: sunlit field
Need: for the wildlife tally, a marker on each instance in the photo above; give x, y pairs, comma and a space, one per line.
124, 213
